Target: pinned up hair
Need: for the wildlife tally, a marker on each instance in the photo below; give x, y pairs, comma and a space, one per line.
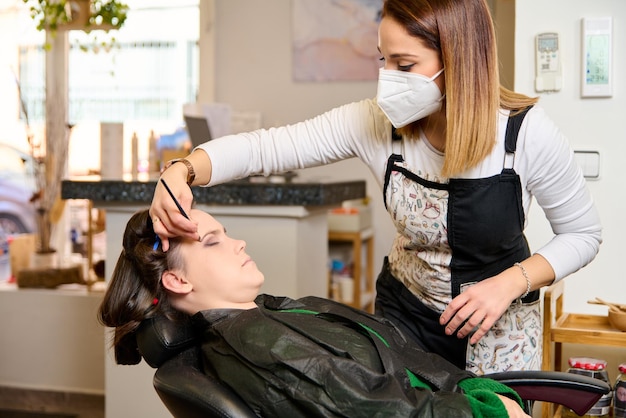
135, 292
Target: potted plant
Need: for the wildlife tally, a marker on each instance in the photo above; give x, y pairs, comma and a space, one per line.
41, 268
47, 169
85, 15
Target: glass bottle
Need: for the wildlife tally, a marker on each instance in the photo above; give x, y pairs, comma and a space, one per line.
619, 398
595, 368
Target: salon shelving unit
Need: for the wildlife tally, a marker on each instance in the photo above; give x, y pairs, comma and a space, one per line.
561, 327
363, 268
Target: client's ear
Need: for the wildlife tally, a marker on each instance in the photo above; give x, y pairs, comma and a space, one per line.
175, 283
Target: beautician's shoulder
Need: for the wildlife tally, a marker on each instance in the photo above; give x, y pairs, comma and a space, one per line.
539, 133
367, 122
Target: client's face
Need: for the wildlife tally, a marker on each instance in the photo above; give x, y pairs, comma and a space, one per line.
221, 272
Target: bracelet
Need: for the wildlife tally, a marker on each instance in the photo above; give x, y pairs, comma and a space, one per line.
191, 173
525, 274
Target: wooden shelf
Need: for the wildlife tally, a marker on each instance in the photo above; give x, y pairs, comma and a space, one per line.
587, 329
562, 327
364, 293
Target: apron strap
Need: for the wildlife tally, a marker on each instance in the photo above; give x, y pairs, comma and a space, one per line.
512, 129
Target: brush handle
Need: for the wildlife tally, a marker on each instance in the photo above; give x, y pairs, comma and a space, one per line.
180, 208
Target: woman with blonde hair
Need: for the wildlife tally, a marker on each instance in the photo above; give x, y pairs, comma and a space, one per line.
459, 159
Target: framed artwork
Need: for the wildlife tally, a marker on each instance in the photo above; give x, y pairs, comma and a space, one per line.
335, 40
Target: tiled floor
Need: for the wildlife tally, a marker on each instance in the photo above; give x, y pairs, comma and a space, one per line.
86, 406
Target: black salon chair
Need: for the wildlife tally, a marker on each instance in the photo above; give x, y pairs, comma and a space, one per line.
190, 390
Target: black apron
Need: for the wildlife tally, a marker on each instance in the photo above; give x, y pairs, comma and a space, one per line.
485, 222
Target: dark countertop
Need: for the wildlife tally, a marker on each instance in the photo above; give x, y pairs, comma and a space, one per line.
240, 192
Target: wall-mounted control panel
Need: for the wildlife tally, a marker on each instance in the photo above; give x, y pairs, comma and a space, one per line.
548, 75
597, 57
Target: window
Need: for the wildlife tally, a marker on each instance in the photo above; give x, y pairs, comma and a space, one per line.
149, 73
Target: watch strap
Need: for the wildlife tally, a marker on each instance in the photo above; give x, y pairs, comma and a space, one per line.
191, 173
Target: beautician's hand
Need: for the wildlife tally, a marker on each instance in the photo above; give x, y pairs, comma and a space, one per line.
512, 408
483, 303
167, 219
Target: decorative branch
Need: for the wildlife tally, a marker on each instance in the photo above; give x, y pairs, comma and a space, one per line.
49, 168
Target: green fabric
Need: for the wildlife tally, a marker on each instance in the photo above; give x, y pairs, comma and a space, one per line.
416, 382
304, 311
368, 329
481, 394
377, 335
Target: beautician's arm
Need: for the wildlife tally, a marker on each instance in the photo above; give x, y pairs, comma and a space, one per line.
167, 220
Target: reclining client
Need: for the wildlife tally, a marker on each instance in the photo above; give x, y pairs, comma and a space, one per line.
297, 358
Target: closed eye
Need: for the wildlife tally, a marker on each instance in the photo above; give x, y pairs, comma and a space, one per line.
213, 236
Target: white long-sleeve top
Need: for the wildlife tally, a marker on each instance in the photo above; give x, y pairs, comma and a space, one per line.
544, 161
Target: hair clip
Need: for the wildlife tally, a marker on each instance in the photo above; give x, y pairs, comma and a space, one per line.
156, 243
155, 301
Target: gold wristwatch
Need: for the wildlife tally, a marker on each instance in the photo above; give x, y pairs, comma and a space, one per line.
191, 173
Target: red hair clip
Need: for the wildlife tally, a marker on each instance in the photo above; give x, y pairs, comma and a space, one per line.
155, 301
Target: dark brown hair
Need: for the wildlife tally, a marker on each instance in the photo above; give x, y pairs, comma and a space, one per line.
135, 292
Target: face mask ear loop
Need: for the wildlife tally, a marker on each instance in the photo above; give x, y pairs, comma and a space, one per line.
437, 74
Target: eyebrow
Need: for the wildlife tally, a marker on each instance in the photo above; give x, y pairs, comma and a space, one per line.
404, 55
400, 54
213, 232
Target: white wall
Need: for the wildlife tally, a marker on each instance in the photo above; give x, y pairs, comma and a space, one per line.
51, 340
590, 124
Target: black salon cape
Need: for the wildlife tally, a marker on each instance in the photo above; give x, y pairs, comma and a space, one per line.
285, 360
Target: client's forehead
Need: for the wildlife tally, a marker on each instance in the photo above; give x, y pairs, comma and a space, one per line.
205, 221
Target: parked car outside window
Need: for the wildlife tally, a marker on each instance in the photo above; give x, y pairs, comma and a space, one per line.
17, 185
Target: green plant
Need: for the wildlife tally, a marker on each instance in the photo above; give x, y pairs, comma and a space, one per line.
49, 15
102, 14
108, 13
85, 15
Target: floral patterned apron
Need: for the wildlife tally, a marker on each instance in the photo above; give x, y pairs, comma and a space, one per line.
453, 235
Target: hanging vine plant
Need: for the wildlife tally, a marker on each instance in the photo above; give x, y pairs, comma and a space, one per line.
85, 15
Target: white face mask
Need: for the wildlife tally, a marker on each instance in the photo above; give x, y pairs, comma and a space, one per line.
406, 97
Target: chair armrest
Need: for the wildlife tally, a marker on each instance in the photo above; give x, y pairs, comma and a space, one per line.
576, 392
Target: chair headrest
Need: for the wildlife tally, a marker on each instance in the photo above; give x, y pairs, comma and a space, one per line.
159, 339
